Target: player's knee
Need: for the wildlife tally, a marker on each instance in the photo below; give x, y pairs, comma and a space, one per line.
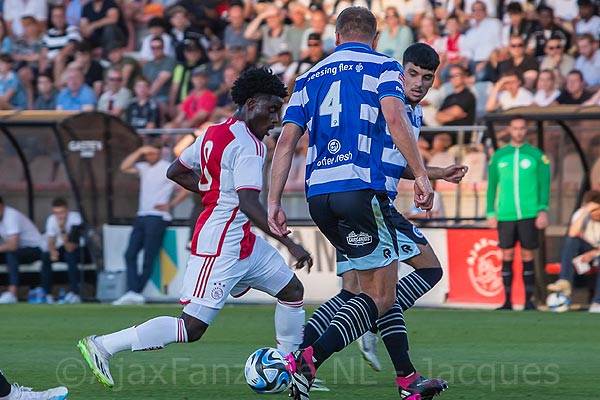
508, 254
527, 255
194, 327
293, 291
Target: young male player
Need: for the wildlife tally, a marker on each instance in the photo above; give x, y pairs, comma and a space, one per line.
225, 166
347, 102
16, 392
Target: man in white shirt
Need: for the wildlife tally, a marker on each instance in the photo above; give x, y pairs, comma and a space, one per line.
19, 243
14, 10
588, 61
508, 93
152, 219
587, 22
484, 36
63, 229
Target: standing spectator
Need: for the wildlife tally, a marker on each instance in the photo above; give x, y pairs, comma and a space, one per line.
581, 247
182, 74
76, 96
20, 243
128, 66
159, 71
484, 36
588, 61
508, 93
545, 30
574, 91
216, 64
273, 35
396, 36
556, 59
27, 48
587, 22
198, 105
143, 112
316, 53
525, 65
92, 69
46, 93
458, 108
116, 97
234, 31
156, 29
517, 203
297, 14
428, 33
12, 92
319, 23
183, 32
63, 230
5, 39
152, 217
15, 10
546, 92
59, 41
518, 25
102, 23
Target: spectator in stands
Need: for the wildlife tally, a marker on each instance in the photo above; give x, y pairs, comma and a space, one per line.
581, 248
216, 64
15, 10
273, 35
297, 15
316, 53
20, 243
102, 23
587, 22
225, 105
143, 112
116, 97
27, 48
413, 11
5, 38
63, 231
181, 83
452, 45
12, 92
46, 93
199, 105
544, 31
574, 91
76, 96
59, 41
556, 59
159, 71
128, 66
319, 23
518, 25
238, 58
282, 63
396, 36
92, 69
508, 93
564, 10
525, 65
234, 31
440, 154
156, 29
588, 61
546, 92
428, 33
152, 218
518, 197
183, 32
458, 108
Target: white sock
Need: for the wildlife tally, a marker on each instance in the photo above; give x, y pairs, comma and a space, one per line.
151, 335
289, 325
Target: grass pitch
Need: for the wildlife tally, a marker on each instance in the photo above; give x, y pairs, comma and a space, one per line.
483, 354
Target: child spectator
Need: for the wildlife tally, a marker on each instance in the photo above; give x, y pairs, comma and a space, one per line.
5, 40
143, 112
198, 105
46, 98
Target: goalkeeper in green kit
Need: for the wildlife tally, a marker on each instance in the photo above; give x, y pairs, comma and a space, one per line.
518, 195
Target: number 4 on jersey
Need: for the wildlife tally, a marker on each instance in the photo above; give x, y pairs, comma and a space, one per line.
331, 104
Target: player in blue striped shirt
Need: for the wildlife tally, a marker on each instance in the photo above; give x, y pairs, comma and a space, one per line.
345, 103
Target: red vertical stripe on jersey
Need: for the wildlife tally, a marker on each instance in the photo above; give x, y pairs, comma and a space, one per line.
247, 243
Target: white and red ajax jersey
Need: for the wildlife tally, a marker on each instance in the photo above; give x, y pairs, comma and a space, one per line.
228, 158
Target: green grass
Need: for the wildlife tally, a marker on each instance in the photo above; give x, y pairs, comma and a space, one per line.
484, 355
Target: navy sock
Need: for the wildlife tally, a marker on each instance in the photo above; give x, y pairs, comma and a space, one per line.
5, 387
393, 332
529, 279
355, 317
507, 277
415, 285
321, 318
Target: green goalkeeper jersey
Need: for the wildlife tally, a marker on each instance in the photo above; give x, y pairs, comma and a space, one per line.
518, 183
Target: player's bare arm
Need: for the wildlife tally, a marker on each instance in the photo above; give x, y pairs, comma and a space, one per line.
128, 164
251, 207
453, 173
183, 176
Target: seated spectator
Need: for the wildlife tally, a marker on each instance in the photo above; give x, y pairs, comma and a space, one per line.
526, 66
183, 32
458, 108
440, 154
581, 248
5, 39
273, 35
518, 25
546, 29
316, 53
198, 105
156, 29
159, 71
396, 36
76, 96
27, 48
234, 31
587, 22
20, 243
15, 10
508, 93
453, 42
428, 33
574, 91
102, 23
59, 41
12, 91
63, 230
217, 57
556, 59
92, 69
588, 61
297, 14
46, 93
239, 58
225, 105
181, 83
546, 92
143, 112
128, 66
116, 97
319, 23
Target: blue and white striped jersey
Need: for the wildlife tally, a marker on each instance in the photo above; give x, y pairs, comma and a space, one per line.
338, 102
393, 162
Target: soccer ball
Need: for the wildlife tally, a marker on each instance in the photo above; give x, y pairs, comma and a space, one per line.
265, 371
558, 302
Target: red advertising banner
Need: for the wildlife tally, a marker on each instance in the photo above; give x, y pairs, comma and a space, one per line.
475, 268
